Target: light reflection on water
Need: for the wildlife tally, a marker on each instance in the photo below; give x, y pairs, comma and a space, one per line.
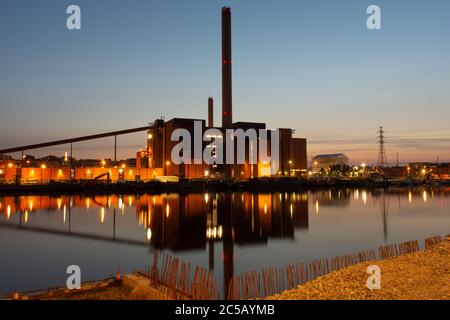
227, 232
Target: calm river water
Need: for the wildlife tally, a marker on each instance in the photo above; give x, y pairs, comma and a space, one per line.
228, 232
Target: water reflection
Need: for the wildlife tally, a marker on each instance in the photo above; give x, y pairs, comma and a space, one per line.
224, 223
176, 222
334, 197
181, 222
187, 221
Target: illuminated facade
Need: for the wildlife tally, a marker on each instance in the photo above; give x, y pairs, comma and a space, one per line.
158, 158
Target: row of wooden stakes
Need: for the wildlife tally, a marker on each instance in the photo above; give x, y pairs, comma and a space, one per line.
173, 279
270, 281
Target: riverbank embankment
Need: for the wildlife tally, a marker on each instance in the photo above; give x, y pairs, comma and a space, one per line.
423, 275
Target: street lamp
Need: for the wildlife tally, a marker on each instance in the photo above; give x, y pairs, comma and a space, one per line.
167, 167
290, 167
43, 166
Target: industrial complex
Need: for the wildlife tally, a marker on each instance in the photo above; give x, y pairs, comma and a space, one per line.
292, 159
155, 160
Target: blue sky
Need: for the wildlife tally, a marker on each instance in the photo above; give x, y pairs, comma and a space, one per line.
309, 65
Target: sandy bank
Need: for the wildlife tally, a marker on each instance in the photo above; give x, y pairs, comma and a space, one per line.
421, 275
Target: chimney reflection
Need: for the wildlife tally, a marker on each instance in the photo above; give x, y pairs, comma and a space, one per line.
187, 221
198, 221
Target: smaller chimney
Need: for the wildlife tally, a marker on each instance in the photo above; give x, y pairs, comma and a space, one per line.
210, 112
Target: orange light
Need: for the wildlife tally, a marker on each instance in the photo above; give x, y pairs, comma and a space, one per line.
43, 166
167, 163
167, 210
10, 165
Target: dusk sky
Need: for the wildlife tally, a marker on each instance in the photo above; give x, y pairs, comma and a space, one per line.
309, 65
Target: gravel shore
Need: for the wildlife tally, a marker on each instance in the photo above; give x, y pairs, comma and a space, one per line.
422, 275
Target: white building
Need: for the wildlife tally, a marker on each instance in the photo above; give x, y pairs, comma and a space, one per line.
326, 161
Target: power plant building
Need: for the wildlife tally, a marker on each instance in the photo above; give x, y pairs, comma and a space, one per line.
157, 155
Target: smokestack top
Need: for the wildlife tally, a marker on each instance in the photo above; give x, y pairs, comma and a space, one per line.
227, 108
210, 112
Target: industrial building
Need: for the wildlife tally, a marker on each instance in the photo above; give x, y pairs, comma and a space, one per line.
156, 157
324, 162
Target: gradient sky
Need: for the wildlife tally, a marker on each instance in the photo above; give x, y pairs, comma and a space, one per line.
311, 65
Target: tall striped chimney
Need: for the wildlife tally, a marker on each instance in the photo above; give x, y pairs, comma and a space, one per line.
210, 112
227, 108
